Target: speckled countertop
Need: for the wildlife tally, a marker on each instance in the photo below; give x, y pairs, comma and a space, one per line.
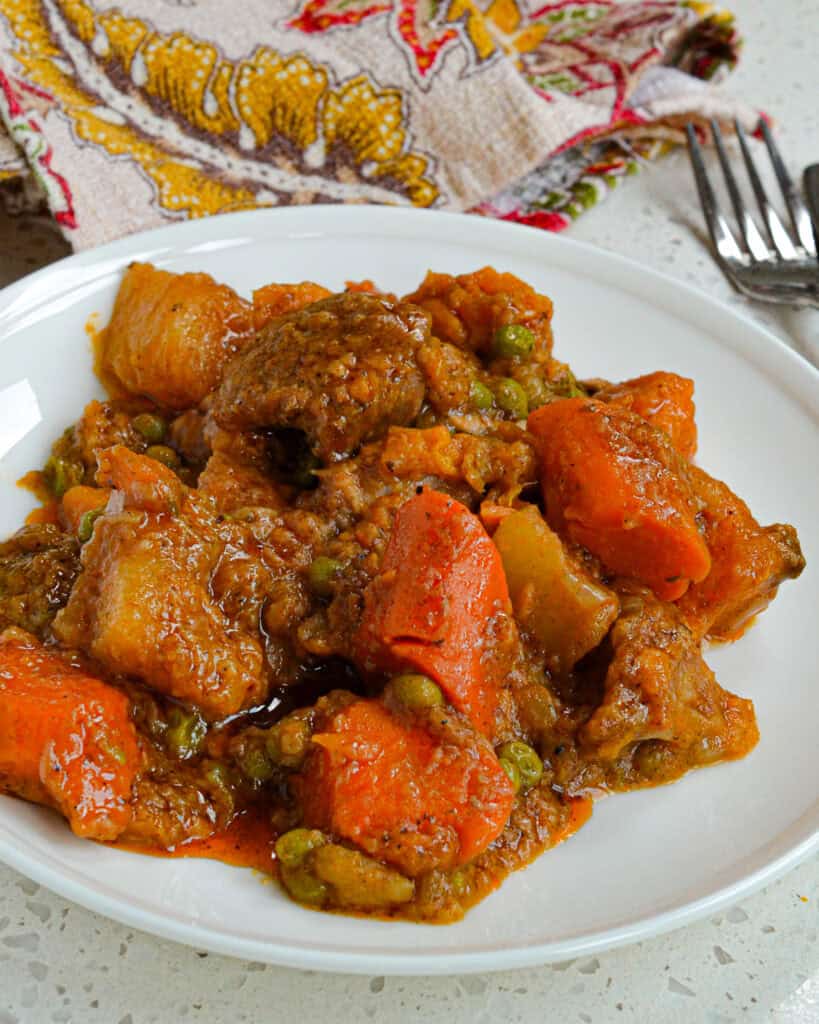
757, 962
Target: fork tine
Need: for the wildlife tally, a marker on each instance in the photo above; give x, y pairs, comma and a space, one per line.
780, 238
750, 232
800, 218
724, 242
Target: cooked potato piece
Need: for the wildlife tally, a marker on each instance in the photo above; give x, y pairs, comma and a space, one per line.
560, 604
170, 335
66, 739
142, 607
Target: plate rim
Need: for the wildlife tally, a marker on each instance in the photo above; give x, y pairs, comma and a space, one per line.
789, 370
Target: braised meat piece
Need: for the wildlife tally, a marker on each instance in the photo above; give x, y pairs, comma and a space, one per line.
341, 370
658, 688
748, 562
38, 566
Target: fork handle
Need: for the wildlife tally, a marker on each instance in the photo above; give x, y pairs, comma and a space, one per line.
810, 182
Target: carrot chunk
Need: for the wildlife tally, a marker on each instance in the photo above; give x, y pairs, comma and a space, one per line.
275, 300
441, 606
615, 485
66, 739
665, 400
402, 794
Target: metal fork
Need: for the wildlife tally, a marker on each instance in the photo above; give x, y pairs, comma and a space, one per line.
779, 266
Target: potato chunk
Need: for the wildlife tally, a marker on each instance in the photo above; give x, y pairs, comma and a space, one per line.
171, 335
560, 604
142, 607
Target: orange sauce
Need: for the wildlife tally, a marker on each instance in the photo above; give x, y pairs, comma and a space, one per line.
247, 842
96, 336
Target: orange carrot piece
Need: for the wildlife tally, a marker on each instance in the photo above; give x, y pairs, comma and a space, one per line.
666, 400
146, 483
615, 485
436, 604
275, 300
402, 795
66, 739
79, 500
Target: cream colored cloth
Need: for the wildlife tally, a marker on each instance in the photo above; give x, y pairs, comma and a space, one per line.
136, 115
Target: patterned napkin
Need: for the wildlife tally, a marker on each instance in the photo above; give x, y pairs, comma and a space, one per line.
132, 116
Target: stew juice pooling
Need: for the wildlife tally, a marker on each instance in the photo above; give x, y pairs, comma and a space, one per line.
368, 592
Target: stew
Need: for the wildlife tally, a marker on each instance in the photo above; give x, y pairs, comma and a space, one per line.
368, 591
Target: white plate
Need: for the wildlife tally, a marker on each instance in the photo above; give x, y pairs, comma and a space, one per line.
646, 862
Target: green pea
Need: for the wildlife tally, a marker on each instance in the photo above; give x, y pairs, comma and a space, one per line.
573, 389
293, 846
86, 527
526, 760
480, 396
321, 575
185, 734
61, 475
458, 882
512, 771
514, 341
304, 886
511, 397
288, 741
218, 775
152, 427
416, 691
255, 764
162, 453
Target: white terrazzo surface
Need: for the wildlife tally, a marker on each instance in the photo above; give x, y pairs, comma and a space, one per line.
757, 962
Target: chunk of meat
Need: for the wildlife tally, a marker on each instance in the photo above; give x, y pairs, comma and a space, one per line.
665, 400
481, 462
142, 607
145, 483
658, 688
275, 300
748, 562
402, 793
615, 485
171, 335
448, 374
234, 483
341, 370
66, 738
38, 566
103, 425
467, 310
440, 605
